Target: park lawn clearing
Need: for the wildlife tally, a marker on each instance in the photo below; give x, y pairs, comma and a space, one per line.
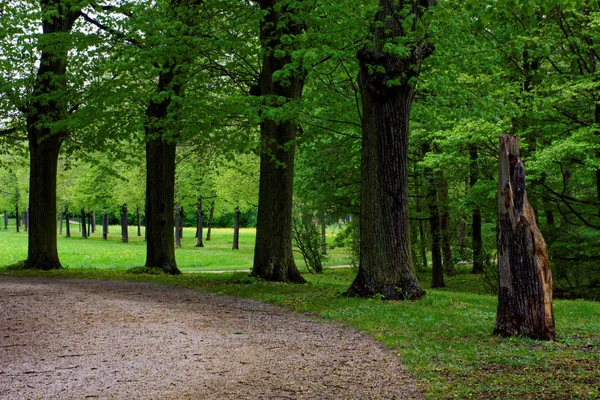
444, 340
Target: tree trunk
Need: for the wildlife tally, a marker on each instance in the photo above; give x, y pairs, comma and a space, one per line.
46, 129
323, 236
199, 224
82, 224
18, 219
443, 197
437, 270
273, 253
89, 222
25, 220
477, 241
5, 220
139, 221
211, 214
386, 81
124, 224
524, 276
93, 219
67, 223
104, 226
177, 225
236, 229
60, 228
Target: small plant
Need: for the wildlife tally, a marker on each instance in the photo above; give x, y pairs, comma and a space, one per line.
307, 239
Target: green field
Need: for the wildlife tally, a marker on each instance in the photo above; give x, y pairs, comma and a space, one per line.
93, 252
445, 340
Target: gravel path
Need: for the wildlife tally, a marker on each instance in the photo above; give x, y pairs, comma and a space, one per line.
68, 339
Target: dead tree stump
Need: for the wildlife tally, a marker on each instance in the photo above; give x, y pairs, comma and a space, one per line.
524, 276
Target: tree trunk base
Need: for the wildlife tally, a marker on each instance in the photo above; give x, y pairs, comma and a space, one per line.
361, 288
42, 263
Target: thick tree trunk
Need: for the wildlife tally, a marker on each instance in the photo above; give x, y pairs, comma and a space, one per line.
199, 224
236, 229
47, 108
82, 224
104, 226
211, 214
386, 83
477, 240
524, 276
178, 218
124, 224
447, 258
273, 253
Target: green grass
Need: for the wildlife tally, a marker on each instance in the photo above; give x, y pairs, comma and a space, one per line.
445, 339
93, 252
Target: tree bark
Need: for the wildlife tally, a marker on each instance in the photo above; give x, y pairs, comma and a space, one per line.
124, 224
273, 253
5, 220
82, 224
386, 83
177, 225
60, 228
48, 106
93, 219
18, 219
236, 229
524, 276
199, 224
89, 223
477, 241
104, 226
323, 236
211, 214
67, 223
437, 270
139, 221
25, 220
448, 260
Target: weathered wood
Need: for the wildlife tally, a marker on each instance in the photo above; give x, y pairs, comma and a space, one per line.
524, 276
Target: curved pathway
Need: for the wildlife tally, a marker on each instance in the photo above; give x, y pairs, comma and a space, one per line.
69, 339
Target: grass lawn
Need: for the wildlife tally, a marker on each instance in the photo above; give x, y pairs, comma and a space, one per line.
93, 252
445, 339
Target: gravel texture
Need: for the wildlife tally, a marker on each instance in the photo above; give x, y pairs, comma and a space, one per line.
69, 339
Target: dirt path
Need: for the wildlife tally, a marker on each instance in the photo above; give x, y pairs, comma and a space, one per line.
89, 339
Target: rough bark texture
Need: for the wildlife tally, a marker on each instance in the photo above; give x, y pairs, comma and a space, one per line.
386, 84
524, 276
273, 253
48, 106
477, 241
124, 225
236, 229
199, 224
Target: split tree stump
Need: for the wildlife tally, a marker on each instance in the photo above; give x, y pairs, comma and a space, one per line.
524, 276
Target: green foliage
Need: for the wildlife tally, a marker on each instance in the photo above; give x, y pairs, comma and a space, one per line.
306, 236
